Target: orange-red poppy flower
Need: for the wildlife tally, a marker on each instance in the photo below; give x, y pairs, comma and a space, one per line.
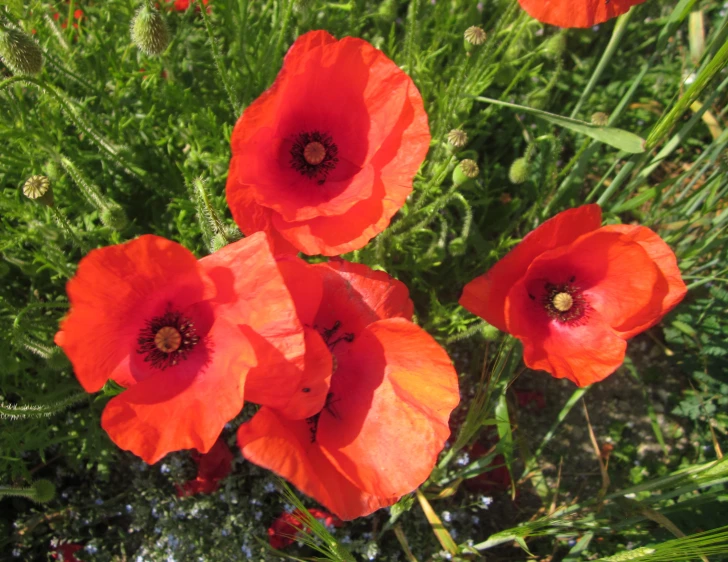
326, 156
180, 335
576, 13
380, 424
183, 5
573, 292
212, 468
283, 531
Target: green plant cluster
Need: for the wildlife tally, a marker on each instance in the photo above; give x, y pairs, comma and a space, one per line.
137, 141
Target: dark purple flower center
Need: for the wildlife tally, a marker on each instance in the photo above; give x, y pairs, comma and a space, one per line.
314, 155
564, 302
167, 339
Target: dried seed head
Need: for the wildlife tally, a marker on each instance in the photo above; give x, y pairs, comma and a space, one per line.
149, 31
20, 53
519, 171
458, 138
466, 170
44, 490
475, 35
470, 168
114, 217
39, 189
600, 118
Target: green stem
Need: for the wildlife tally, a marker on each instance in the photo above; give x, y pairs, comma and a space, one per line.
68, 231
232, 98
15, 412
664, 125
619, 30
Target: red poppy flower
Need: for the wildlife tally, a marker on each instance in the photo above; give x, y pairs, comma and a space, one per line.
576, 13
326, 156
180, 335
379, 426
497, 479
66, 552
212, 468
183, 5
573, 293
283, 531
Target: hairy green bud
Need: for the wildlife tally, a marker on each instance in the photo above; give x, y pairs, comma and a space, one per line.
218, 242
519, 171
114, 217
20, 53
555, 45
149, 31
44, 490
457, 247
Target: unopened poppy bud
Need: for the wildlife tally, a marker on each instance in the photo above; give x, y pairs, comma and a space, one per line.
149, 31
490, 333
519, 171
458, 138
218, 242
457, 247
388, 10
467, 169
20, 53
474, 36
114, 217
44, 490
39, 189
555, 45
57, 360
600, 118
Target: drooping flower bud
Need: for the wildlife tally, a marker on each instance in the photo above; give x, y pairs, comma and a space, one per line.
20, 53
518, 172
149, 31
218, 242
114, 217
555, 45
600, 118
467, 169
458, 138
39, 189
457, 247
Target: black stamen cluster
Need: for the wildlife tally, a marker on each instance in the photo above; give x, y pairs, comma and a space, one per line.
148, 347
314, 171
579, 306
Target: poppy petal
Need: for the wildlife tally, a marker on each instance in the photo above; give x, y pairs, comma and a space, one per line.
285, 447
250, 216
672, 289
486, 295
391, 400
185, 407
251, 292
114, 293
576, 13
367, 296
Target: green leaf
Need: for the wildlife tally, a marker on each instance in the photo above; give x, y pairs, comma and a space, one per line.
618, 138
